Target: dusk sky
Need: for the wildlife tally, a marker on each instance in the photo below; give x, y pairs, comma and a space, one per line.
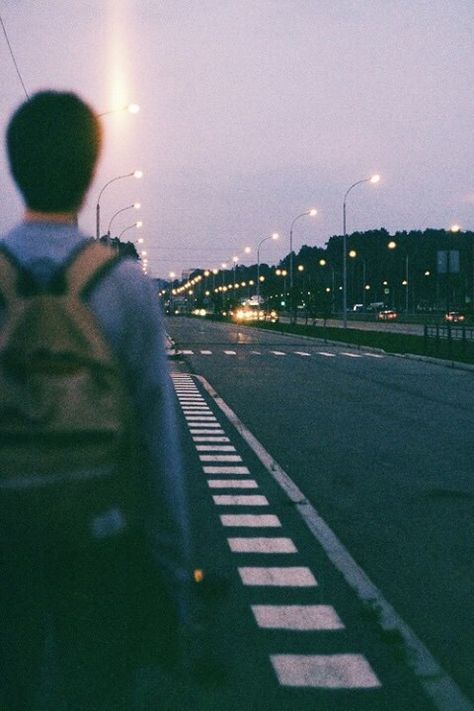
253, 111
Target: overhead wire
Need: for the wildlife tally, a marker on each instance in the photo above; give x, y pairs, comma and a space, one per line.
13, 57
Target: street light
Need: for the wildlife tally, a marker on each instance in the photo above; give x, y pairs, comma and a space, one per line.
311, 213
373, 179
275, 235
393, 245
133, 174
130, 227
136, 206
131, 108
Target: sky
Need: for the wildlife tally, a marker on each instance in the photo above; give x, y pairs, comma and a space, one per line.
254, 111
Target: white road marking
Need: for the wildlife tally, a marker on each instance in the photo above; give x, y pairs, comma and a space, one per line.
250, 520
207, 432
373, 355
186, 352
244, 500
302, 353
205, 424
351, 355
293, 577
232, 484
325, 671
220, 458
215, 448
327, 355
226, 470
278, 353
206, 352
211, 439
230, 352
297, 617
261, 545
438, 685
200, 418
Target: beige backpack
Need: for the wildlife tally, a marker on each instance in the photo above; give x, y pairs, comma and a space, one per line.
66, 430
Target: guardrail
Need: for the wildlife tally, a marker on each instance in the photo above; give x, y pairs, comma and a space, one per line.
442, 337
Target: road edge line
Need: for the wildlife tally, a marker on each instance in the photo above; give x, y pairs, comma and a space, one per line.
438, 685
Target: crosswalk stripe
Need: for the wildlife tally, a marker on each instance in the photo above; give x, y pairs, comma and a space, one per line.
297, 617
225, 470
232, 484
330, 671
207, 432
261, 545
244, 500
215, 448
205, 424
210, 439
294, 577
250, 520
220, 458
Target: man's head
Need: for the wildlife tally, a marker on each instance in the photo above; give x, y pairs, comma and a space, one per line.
53, 142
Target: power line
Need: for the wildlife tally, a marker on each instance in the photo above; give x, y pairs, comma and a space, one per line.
13, 58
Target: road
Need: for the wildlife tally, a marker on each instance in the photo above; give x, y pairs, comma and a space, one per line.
381, 449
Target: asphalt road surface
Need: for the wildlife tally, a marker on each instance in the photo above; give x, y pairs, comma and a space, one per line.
355, 590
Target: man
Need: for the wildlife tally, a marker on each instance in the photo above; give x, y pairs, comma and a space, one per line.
85, 615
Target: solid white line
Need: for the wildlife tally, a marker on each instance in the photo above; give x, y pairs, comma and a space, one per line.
261, 545
220, 458
232, 484
250, 520
244, 500
291, 577
331, 671
297, 617
302, 353
443, 691
226, 470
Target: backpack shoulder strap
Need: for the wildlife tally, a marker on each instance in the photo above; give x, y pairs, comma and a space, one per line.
88, 265
9, 275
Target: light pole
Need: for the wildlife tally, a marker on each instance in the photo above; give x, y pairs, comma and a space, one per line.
133, 174
135, 205
130, 227
373, 179
311, 213
275, 235
131, 108
393, 245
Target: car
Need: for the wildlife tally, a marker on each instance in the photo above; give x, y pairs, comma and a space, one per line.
454, 317
250, 313
387, 315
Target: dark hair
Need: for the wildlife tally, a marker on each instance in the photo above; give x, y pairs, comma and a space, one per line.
53, 142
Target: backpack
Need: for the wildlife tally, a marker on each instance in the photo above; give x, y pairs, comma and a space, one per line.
68, 453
